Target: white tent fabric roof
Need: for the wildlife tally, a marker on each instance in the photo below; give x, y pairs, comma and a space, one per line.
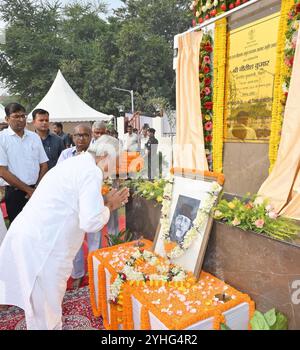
64, 105
2, 113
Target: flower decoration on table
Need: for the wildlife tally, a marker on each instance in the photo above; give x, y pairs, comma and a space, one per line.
150, 190
206, 9
144, 266
256, 214
175, 249
206, 93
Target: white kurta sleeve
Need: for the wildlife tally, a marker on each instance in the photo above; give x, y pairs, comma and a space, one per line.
3, 228
93, 215
3, 154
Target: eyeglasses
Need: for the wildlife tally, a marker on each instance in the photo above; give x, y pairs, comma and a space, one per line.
84, 136
18, 116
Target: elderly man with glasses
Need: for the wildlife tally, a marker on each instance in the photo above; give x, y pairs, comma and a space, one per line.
82, 139
23, 161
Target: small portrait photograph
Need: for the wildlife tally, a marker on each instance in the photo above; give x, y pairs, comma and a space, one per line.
184, 215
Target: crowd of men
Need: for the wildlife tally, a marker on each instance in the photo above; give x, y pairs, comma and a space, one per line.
26, 156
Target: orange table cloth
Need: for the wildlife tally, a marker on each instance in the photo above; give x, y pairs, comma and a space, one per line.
171, 305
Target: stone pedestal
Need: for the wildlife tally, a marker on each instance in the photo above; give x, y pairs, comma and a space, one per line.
264, 268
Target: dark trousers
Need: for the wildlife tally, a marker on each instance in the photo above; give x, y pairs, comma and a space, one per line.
15, 201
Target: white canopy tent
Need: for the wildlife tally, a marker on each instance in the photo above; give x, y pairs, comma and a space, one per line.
64, 105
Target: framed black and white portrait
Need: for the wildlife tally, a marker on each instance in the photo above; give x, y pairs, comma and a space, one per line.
184, 215
186, 222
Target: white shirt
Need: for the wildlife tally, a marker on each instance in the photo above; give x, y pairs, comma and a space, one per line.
144, 140
22, 156
3, 228
67, 153
131, 143
43, 240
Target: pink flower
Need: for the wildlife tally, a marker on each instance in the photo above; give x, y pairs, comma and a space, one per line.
206, 59
206, 69
208, 126
208, 138
273, 215
294, 41
259, 223
207, 91
269, 208
289, 61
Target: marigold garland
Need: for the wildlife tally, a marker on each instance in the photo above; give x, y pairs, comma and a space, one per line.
281, 71
173, 322
96, 310
102, 296
218, 177
145, 319
220, 53
218, 319
127, 310
144, 266
122, 315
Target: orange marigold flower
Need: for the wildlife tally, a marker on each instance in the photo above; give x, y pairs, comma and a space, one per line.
169, 246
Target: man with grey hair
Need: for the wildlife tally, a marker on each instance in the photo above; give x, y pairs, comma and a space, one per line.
82, 139
113, 223
40, 245
98, 130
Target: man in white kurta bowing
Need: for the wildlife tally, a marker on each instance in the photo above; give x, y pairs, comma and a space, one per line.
37, 253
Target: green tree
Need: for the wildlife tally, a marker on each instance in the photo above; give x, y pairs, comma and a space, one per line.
30, 56
145, 41
133, 49
89, 55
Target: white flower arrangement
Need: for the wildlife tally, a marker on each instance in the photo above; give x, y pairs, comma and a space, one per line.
198, 224
129, 273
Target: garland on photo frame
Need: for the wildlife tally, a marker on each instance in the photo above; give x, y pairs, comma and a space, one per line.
173, 249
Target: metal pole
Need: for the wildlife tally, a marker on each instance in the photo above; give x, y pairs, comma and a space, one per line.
132, 101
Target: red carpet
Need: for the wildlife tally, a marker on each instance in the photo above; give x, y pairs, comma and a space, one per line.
4, 211
77, 314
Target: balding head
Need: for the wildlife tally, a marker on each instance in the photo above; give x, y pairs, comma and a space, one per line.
82, 137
